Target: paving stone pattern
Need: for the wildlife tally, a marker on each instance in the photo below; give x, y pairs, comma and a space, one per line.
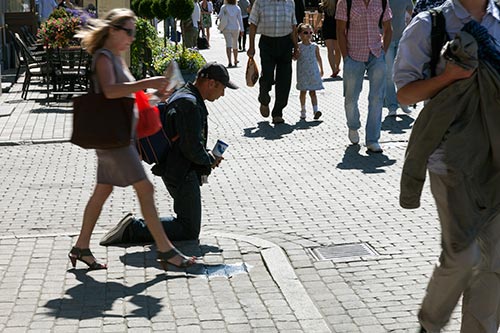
299, 185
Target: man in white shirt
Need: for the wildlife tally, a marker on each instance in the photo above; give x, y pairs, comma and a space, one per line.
190, 27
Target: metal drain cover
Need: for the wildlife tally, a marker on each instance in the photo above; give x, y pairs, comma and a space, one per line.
338, 252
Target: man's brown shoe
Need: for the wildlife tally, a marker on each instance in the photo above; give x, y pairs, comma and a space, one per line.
278, 120
264, 110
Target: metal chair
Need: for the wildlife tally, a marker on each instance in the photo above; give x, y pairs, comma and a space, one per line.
69, 70
36, 66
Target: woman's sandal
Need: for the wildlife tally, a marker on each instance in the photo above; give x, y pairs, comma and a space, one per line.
78, 254
335, 73
163, 259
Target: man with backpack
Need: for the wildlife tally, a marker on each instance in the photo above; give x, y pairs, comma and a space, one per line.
187, 163
454, 138
359, 26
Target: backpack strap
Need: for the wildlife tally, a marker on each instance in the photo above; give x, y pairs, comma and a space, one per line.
384, 6
438, 37
349, 5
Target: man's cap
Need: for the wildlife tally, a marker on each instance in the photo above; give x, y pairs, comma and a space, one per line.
217, 72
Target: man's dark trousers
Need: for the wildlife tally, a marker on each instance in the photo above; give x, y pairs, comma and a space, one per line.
187, 207
275, 54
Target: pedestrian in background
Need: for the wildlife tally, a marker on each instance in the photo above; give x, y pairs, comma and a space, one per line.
190, 27
454, 139
363, 45
106, 41
245, 8
329, 34
399, 8
276, 23
207, 8
46, 8
233, 29
309, 70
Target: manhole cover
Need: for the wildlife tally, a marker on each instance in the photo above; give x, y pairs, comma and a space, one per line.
341, 251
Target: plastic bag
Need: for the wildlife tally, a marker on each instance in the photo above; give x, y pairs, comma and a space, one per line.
252, 73
149, 116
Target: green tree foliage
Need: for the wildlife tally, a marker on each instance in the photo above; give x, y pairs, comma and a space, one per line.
145, 9
160, 9
180, 9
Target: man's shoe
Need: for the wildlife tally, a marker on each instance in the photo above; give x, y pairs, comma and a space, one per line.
354, 136
374, 148
278, 120
302, 115
392, 113
115, 235
405, 109
264, 110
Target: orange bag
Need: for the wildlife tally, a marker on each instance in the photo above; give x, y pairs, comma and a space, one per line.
149, 116
252, 73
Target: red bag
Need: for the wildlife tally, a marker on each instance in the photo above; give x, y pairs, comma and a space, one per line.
149, 116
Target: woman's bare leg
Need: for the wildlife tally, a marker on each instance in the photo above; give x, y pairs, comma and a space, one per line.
91, 214
145, 194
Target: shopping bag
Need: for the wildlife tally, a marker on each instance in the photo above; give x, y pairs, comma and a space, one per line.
149, 116
100, 122
252, 72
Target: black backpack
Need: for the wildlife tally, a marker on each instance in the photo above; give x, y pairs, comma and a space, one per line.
349, 5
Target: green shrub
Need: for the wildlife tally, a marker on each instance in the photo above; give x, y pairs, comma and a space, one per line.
144, 48
189, 60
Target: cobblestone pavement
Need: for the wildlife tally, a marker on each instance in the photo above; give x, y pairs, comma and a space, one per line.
282, 192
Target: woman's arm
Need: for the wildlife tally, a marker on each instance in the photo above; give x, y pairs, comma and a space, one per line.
107, 81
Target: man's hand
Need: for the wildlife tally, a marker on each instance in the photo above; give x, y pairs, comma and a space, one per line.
453, 72
251, 52
217, 161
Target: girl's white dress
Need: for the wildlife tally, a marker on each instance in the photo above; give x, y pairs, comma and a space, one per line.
308, 76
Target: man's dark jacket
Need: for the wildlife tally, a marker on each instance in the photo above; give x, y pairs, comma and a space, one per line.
186, 117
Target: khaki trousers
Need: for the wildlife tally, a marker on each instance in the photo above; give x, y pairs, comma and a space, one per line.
473, 272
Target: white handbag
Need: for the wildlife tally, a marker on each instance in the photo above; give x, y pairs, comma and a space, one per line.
223, 20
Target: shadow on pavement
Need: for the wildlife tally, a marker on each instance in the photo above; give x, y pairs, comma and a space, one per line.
92, 299
371, 163
275, 132
398, 124
51, 110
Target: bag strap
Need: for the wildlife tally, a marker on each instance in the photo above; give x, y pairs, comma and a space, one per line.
93, 73
438, 37
349, 5
171, 102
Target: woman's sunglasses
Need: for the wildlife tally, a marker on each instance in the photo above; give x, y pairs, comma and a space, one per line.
130, 32
307, 32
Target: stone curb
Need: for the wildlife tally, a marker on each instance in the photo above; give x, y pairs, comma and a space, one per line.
283, 274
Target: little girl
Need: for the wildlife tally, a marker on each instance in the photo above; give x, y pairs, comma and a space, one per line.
309, 70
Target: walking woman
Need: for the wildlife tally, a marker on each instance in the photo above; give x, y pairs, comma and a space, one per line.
329, 33
207, 7
105, 40
233, 29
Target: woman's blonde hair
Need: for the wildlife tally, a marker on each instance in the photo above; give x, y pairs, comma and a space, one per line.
95, 34
329, 6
